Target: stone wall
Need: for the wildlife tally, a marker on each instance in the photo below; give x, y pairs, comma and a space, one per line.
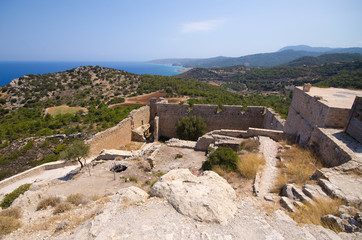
121, 134
326, 145
354, 123
307, 112
273, 121
230, 117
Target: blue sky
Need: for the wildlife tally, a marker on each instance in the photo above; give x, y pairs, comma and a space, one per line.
133, 30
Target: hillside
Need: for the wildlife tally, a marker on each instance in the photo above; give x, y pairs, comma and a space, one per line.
243, 79
29, 136
280, 57
325, 58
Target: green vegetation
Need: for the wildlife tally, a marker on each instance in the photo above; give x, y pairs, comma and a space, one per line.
190, 127
26, 122
226, 158
9, 198
346, 75
133, 179
75, 151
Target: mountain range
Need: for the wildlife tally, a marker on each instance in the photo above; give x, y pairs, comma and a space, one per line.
280, 57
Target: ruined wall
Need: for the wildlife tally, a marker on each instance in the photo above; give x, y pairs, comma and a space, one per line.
121, 134
273, 121
230, 117
354, 123
328, 148
307, 112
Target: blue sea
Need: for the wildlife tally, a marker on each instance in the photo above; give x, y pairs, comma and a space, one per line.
12, 70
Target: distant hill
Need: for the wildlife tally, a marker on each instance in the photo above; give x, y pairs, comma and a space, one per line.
325, 58
280, 57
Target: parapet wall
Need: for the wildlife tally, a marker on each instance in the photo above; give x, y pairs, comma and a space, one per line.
354, 123
273, 121
230, 117
307, 112
121, 134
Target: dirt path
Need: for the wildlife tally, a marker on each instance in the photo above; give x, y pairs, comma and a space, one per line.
269, 148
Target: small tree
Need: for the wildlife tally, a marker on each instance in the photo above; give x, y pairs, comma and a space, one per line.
190, 127
76, 151
226, 158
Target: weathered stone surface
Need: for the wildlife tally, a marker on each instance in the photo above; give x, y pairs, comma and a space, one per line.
208, 198
313, 191
334, 221
287, 204
112, 154
174, 142
138, 134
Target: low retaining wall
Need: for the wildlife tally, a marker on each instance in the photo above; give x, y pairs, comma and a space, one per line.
207, 139
326, 145
34, 171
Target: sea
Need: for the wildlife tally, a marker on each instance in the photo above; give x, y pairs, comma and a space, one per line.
12, 70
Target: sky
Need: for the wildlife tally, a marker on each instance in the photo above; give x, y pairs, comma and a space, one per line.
140, 30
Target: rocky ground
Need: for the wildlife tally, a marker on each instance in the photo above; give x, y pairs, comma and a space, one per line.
182, 204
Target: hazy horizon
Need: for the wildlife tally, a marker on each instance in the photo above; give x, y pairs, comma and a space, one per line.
110, 31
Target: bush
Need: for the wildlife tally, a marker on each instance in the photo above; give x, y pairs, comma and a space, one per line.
62, 207
133, 179
9, 198
8, 224
77, 199
226, 158
50, 201
11, 212
190, 128
249, 165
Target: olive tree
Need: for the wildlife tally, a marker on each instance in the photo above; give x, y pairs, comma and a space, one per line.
75, 151
190, 127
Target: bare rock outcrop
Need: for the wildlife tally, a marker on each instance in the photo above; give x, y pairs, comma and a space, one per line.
208, 198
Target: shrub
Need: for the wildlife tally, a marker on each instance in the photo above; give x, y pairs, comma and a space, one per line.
8, 224
190, 128
77, 199
249, 145
9, 198
178, 156
133, 179
62, 207
11, 212
312, 213
226, 158
50, 201
249, 165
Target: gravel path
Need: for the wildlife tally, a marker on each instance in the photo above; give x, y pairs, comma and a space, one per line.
269, 148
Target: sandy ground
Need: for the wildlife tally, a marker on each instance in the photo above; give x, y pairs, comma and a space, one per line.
44, 176
102, 182
145, 99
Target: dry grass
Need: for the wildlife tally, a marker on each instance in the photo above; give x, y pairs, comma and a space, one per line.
297, 167
62, 207
8, 224
77, 199
250, 164
11, 212
50, 201
249, 145
312, 213
64, 109
219, 170
279, 182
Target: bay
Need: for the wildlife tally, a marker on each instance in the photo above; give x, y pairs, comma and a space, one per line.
12, 70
